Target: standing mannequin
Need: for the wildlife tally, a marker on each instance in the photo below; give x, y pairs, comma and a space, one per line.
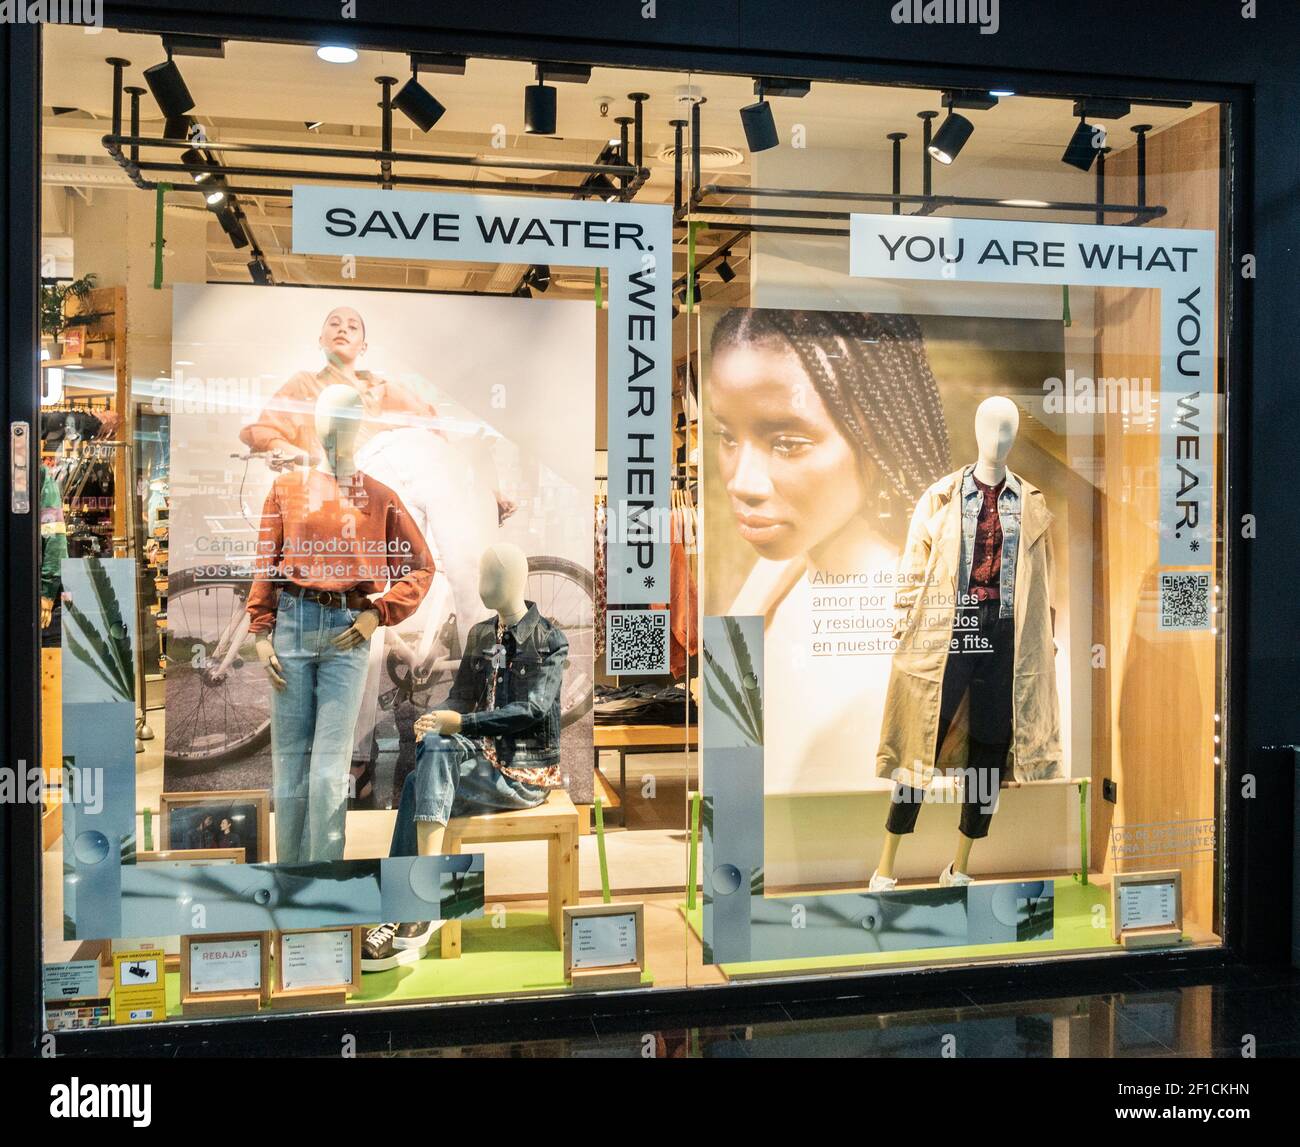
977, 566
493, 744
330, 538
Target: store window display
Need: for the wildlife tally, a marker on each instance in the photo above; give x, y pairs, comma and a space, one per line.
435, 414
338, 558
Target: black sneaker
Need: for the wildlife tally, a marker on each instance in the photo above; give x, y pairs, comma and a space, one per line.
378, 953
415, 936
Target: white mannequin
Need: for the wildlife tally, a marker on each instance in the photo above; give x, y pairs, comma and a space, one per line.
338, 422
997, 421
502, 575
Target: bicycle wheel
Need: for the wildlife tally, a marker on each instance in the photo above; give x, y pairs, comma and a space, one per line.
218, 698
565, 594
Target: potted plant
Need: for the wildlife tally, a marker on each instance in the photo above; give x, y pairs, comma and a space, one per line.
54, 297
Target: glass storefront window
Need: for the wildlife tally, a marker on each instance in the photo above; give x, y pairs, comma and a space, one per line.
375, 669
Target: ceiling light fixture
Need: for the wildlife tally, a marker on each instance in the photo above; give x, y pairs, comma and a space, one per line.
1087, 140
540, 277
539, 107
229, 219
168, 87
758, 122
193, 158
337, 54
215, 192
260, 272
178, 127
726, 272
414, 101
951, 137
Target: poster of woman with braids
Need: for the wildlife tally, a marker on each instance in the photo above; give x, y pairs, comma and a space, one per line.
823, 429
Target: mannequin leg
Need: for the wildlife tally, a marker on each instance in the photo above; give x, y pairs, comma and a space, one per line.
963, 852
429, 834
293, 721
340, 683
990, 730
887, 854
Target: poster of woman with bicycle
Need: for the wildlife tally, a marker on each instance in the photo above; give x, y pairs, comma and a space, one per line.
478, 412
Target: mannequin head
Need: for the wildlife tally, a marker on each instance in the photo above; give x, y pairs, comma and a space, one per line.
996, 422
343, 337
338, 422
502, 572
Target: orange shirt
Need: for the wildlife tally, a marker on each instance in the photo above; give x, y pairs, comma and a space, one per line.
290, 413
324, 534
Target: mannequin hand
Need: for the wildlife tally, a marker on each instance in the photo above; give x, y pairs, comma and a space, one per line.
359, 632
505, 506
439, 721
47, 612
271, 663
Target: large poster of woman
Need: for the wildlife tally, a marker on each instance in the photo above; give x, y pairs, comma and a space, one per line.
477, 415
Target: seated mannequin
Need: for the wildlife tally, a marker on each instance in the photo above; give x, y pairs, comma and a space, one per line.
493, 744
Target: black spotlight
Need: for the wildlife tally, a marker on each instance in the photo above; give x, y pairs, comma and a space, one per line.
168, 87
414, 102
178, 127
951, 137
214, 192
193, 158
232, 227
260, 272
540, 277
600, 185
726, 272
759, 125
1081, 151
539, 108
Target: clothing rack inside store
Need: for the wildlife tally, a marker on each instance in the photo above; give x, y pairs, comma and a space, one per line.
91, 402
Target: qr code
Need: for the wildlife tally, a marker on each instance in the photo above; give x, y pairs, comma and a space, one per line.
1184, 601
636, 640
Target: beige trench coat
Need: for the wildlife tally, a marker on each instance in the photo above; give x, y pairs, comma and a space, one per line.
926, 601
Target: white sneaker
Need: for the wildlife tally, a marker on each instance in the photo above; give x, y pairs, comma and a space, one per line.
950, 879
880, 883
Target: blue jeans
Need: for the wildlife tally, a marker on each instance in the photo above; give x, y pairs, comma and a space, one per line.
453, 778
312, 724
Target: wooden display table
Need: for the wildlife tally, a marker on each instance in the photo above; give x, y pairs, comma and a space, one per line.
625, 739
555, 821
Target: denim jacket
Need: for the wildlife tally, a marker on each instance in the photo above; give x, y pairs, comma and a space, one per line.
524, 716
1009, 510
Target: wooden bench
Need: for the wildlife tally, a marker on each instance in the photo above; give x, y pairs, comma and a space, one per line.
555, 821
